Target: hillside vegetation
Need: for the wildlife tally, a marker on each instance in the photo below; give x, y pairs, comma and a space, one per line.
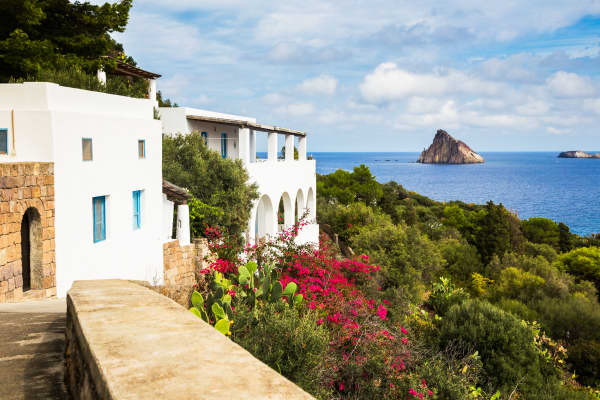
522, 294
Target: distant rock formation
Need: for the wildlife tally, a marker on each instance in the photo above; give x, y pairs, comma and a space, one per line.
578, 154
447, 150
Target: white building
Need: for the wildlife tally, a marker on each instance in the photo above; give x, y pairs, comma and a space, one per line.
289, 180
82, 195
81, 188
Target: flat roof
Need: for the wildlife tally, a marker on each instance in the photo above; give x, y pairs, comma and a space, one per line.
246, 124
123, 68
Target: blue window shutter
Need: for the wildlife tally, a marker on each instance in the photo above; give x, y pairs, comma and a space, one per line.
137, 217
224, 145
99, 206
3, 141
205, 137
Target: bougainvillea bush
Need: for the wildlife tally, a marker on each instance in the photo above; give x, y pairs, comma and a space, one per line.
367, 354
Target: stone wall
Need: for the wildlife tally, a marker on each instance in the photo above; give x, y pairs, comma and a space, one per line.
23, 187
181, 263
155, 349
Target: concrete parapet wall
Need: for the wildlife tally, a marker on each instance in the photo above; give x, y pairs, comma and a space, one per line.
125, 341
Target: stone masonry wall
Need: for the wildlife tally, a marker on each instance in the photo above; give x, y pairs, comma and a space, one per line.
24, 186
181, 263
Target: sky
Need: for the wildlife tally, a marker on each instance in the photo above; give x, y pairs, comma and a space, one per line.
384, 75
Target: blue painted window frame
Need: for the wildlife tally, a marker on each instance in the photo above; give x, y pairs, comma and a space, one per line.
143, 143
3, 141
137, 209
223, 145
205, 137
99, 222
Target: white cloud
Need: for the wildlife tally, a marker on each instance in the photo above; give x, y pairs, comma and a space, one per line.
296, 109
568, 84
388, 82
592, 105
274, 99
322, 84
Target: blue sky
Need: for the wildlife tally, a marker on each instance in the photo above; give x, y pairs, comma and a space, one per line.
384, 75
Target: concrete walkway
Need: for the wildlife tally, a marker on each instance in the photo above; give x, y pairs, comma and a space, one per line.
32, 342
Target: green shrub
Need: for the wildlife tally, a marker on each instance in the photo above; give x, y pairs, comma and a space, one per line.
575, 320
462, 260
76, 78
540, 249
584, 356
453, 376
541, 230
288, 341
347, 219
408, 258
506, 347
518, 309
444, 295
583, 263
514, 283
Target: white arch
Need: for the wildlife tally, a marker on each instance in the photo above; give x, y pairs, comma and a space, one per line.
264, 218
310, 204
288, 213
300, 205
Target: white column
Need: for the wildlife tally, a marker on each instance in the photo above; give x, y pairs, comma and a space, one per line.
183, 224
101, 76
302, 148
152, 89
272, 146
289, 147
252, 146
244, 145
168, 207
252, 227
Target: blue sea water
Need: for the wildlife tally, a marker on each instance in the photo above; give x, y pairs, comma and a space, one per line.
536, 184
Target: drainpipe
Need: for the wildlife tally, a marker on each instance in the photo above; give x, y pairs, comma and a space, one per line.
14, 148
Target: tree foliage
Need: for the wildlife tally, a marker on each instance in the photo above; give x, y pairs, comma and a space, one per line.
583, 263
542, 231
223, 198
38, 35
506, 347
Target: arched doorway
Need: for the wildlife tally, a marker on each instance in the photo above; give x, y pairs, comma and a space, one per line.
300, 206
285, 218
310, 204
264, 218
31, 249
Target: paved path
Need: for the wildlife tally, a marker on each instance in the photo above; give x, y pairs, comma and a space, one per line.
32, 341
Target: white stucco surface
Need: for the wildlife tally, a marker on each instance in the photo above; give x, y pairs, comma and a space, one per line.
50, 122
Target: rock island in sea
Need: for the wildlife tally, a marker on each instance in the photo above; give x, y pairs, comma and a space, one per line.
447, 150
578, 154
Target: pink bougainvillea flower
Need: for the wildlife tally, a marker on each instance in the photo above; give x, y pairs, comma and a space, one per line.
382, 311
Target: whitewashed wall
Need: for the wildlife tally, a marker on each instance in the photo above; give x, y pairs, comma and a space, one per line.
115, 124
274, 178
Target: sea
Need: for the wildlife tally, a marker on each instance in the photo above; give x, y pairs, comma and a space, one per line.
533, 184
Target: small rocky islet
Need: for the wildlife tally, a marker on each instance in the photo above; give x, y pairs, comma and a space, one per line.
578, 154
447, 150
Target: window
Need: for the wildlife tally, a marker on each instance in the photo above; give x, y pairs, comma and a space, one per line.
99, 205
224, 145
141, 149
205, 137
137, 209
3, 141
86, 146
